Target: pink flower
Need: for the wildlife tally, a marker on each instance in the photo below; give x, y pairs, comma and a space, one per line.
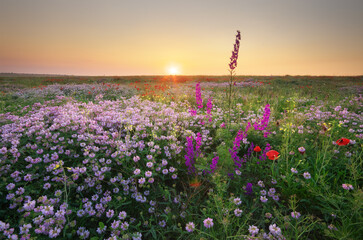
190, 227
208, 223
307, 175
295, 215
347, 186
253, 230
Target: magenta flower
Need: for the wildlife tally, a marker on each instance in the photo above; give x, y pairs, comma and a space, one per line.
213, 166
198, 95
191, 153
347, 186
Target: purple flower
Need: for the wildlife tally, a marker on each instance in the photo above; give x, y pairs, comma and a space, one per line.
209, 108
208, 222
253, 230
263, 123
193, 112
191, 153
249, 189
190, 227
263, 199
238, 212
307, 175
234, 57
198, 96
213, 166
295, 215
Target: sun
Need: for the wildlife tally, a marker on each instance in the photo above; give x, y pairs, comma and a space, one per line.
173, 70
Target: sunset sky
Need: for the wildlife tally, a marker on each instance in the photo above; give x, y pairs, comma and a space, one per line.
192, 37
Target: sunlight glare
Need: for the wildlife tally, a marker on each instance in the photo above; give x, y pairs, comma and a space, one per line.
173, 70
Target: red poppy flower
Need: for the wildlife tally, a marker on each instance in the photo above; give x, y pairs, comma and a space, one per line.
257, 149
342, 141
195, 184
272, 155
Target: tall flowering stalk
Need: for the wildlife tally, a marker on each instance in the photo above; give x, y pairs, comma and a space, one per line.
192, 153
232, 66
237, 144
209, 109
198, 96
189, 157
263, 123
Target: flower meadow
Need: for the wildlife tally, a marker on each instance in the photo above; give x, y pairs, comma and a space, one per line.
179, 162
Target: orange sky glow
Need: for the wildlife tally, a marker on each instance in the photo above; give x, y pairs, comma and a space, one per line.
193, 37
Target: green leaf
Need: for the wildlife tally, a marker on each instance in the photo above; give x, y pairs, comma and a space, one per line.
101, 225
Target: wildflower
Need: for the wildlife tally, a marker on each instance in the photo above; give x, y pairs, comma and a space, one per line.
332, 227
268, 215
307, 175
124, 226
342, 141
260, 183
237, 201
263, 199
149, 164
208, 222
233, 63
276, 231
293, 170
213, 166
272, 155
115, 224
275, 198
347, 186
110, 213
190, 227
198, 95
301, 150
238, 212
257, 149
295, 215
249, 189
148, 174
223, 125
193, 112
253, 230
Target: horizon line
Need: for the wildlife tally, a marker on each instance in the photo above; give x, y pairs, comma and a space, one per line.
187, 75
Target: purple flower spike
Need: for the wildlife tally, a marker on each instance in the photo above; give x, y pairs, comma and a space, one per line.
233, 63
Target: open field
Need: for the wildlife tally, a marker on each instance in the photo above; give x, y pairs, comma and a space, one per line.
164, 157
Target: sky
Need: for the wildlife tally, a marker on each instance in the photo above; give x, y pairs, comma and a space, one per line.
189, 37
